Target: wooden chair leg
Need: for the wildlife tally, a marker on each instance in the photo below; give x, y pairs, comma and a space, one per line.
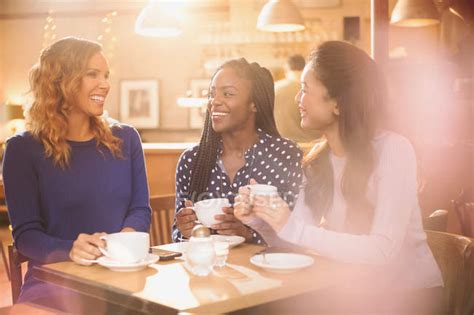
5, 261
15, 274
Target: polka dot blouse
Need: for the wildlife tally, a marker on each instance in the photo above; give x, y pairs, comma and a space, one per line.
272, 160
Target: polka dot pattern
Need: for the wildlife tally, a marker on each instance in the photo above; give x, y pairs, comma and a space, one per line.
272, 160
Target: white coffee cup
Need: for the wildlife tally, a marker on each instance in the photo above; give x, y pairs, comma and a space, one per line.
126, 247
207, 209
263, 190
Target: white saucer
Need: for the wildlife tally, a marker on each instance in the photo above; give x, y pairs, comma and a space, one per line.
126, 267
233, 240
282, 262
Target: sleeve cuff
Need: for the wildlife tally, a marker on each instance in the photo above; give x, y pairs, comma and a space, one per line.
136, 224
293, 230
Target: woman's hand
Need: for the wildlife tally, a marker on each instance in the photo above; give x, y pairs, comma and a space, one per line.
230, 225
186, 219
242, 206
273, 210
86, 246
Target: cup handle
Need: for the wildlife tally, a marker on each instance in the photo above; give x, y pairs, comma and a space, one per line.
103, 251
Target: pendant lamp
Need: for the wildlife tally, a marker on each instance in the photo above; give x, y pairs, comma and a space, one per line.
414, 13
280, 16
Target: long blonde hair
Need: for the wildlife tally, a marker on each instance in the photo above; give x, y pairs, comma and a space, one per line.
54, 81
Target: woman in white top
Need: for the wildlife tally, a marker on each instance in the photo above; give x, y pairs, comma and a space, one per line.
359, 200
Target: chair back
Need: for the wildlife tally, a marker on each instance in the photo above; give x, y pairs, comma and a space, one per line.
15, 260
455, 258
436, 221
162, 217
464, 209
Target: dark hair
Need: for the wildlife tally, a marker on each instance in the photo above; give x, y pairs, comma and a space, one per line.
262, 95
354, 81
296, 62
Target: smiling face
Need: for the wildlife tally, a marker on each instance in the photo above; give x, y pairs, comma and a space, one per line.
94, 87
318, 111
230, 103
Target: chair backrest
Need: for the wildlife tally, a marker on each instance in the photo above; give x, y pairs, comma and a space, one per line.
15, 260
436, 221
465, 212
162, 217
464, 209
455, 258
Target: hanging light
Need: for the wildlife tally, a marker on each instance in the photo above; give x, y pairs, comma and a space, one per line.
158, 20
280, 16
414, 13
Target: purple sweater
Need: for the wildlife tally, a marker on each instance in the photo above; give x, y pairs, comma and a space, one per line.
49, 207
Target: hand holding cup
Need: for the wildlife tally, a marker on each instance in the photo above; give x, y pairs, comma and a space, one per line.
186, 219
86, 248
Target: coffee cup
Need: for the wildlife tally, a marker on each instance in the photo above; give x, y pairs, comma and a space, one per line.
262, 190
206, 210
126, 247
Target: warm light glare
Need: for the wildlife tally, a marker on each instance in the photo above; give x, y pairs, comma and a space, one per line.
160, 19
416, 22
15, 100
192, 101
283, 28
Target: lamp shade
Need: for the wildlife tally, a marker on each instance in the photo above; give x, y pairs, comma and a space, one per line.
414, 13
280, 16
155, 21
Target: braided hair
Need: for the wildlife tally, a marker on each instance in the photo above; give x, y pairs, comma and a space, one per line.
262, 95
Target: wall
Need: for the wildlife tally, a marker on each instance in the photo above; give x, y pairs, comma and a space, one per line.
174, 62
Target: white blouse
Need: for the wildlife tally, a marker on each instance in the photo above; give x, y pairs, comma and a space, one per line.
396, 240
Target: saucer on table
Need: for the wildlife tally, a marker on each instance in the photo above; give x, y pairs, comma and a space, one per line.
127, 267
282, 262
233, 240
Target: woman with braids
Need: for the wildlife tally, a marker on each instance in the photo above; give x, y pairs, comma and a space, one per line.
72, 176
359, 200
239, 142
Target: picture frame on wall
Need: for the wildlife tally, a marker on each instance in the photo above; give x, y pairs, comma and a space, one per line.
139, 103
197, 115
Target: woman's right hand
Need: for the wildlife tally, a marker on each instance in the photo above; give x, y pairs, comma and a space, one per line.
86, 247
186, 219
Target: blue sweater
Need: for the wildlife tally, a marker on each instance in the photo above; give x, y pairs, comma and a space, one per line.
49, 207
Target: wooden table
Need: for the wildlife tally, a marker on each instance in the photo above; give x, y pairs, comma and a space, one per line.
167, 287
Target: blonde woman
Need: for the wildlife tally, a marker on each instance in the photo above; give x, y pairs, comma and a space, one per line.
71, 176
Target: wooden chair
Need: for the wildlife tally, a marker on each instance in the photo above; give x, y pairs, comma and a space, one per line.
455, 257
16, 276
436, 221
464, 210
162, 217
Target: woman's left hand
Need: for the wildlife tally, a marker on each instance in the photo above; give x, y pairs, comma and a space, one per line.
273, 210
230, 225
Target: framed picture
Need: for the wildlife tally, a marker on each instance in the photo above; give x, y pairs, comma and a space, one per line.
139, 103
199, 88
